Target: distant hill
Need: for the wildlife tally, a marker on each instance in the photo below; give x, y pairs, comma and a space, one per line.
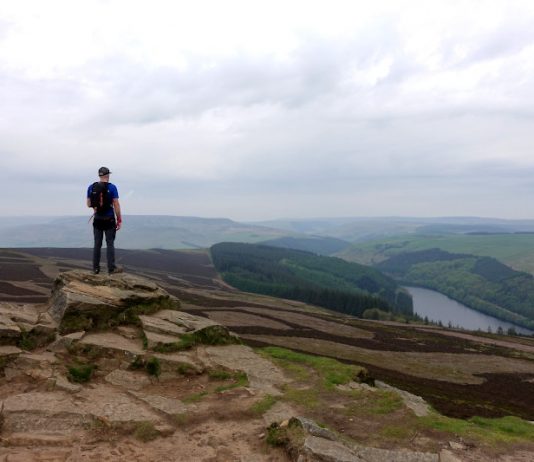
315, 244
362, 229
138, 232
324, 281
513, 249
174, 232
482, 283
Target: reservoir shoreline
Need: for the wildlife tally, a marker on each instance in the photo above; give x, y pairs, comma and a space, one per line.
440, 307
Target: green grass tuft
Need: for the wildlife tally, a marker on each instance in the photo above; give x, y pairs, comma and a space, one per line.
180, 419
397, 432
308, 397
81, 373
137, 363
332, 371
153, 366
386, 403
240, 379
145, 431
194, 398
145, 340
220, 374
277, 436
263, 405
379, 402
215, 335
503, 430
27, 341
185, 369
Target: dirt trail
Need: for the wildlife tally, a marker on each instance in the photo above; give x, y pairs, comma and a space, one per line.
214, 441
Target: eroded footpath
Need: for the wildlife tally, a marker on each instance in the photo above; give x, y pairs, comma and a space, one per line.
112, 369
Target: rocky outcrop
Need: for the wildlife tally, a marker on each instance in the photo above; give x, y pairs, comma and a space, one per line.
57, 411
120, 358
25, 325
84, 301
308, 442
117, 348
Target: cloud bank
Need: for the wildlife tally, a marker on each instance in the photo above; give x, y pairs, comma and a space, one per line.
253, 111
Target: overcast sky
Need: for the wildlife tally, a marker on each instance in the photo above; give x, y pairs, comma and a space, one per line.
265, 109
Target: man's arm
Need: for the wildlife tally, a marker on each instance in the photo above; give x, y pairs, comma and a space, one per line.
117, 208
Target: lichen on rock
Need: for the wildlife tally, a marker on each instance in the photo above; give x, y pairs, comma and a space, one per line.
84, 301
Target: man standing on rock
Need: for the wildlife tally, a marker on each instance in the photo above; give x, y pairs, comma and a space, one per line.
103, 198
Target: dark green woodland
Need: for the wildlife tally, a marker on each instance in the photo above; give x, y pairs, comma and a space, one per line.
482, 283
329, 282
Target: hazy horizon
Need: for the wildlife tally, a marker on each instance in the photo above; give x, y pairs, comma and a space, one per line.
257, 111
309, 218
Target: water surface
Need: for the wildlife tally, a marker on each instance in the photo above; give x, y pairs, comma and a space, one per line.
438, 307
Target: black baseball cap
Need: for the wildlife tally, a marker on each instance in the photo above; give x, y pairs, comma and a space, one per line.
103, 171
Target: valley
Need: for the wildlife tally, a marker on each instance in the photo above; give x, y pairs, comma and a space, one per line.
460, 374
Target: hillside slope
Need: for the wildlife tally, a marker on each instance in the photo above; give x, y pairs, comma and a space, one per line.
315, 244
138, 232
482, 283
513, 249
325, 281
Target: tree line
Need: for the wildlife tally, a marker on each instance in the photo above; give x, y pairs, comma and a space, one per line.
481, 283
329, 282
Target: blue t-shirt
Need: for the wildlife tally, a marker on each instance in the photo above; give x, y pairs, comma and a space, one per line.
114, 195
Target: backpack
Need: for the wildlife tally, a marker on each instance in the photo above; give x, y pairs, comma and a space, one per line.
100, 198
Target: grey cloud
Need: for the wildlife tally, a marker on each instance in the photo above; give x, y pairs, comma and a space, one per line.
505, 40
324, 142
5, 26
315, 70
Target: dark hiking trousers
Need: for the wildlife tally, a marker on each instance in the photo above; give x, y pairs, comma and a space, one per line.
105, 227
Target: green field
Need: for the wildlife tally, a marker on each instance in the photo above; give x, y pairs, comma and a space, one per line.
515, 250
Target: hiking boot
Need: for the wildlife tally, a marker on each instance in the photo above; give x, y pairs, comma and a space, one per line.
96, 271
115, 270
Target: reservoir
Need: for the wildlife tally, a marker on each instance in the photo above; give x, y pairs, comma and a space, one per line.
438, 307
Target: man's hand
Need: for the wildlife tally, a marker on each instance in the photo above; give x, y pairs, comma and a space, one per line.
119, 224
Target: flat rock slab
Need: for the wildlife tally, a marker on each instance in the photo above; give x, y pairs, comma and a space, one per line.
37, 439
9, 350
168, 406
279, 412
320, 449
172, 362
20, 313
8, 353
63, 342
61, 383
84, 300
42, 412
187, 321
161, 326
128, 380
114, 342
129, 331
31, 360
8, 328
380, 455
154, 340
448, 456
115, 406
35, 365
61, 411
262, 374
